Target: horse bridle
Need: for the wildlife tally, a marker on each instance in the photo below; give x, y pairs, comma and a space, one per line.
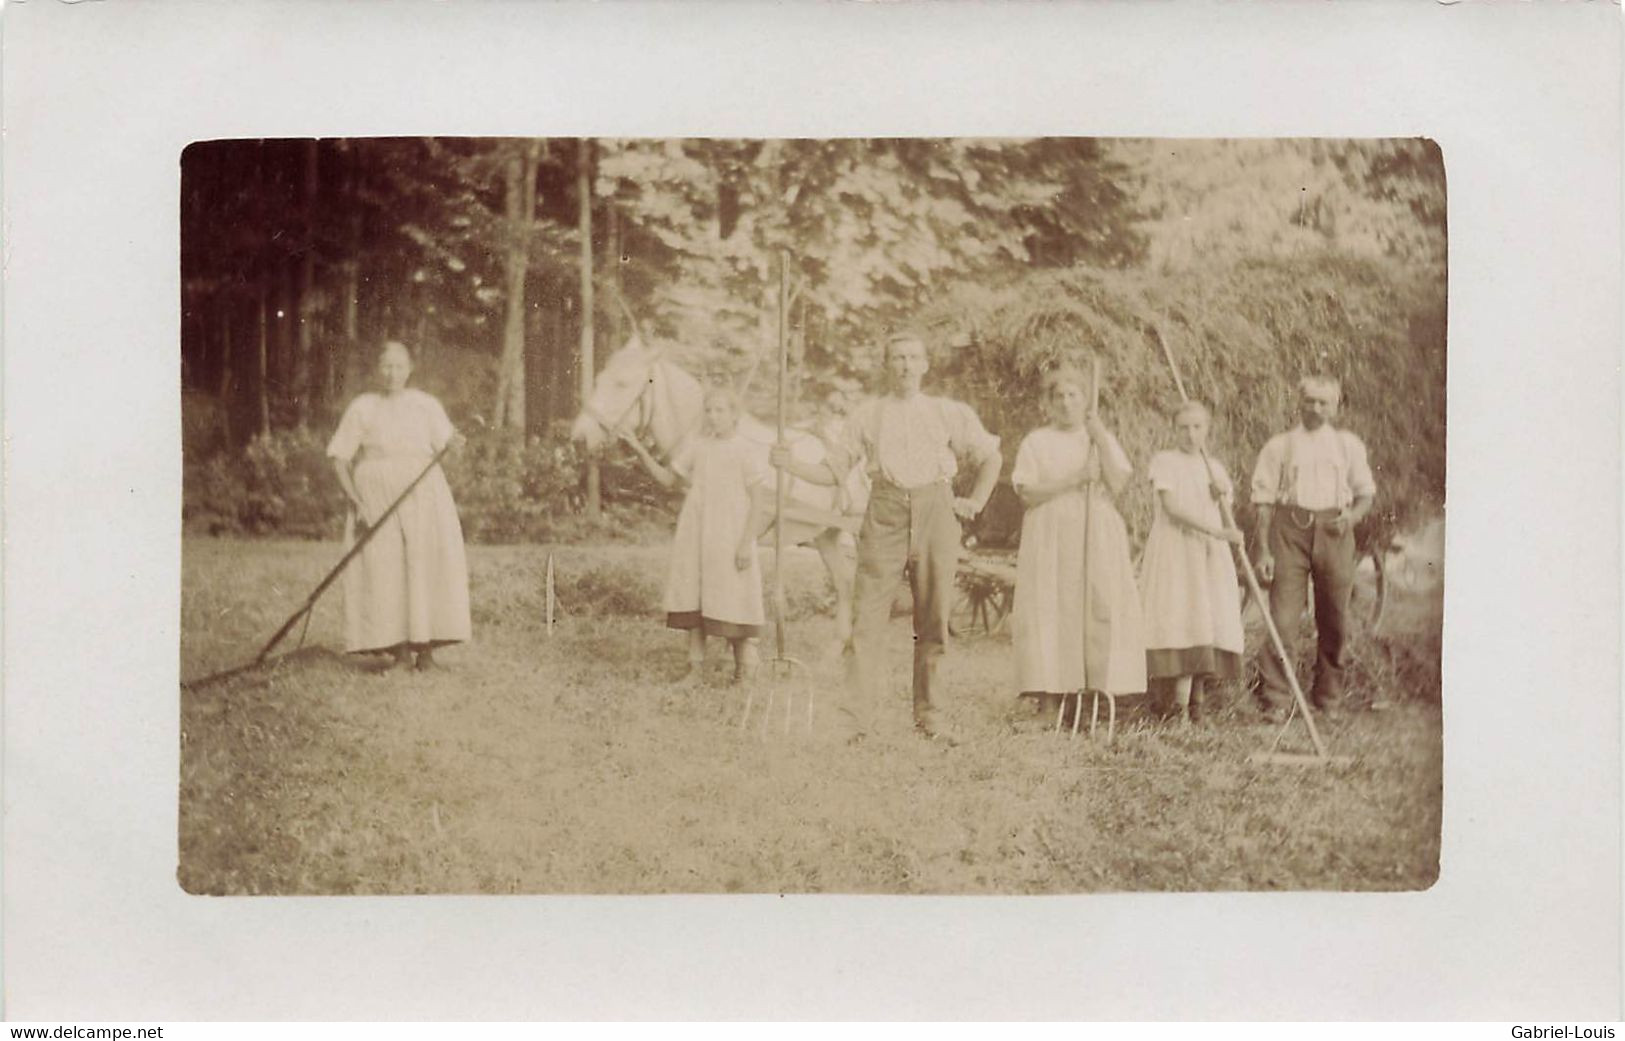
643, 403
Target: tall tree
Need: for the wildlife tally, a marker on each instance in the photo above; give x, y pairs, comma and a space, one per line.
351, 220
262, 383
588, 370
304, 383
519, 209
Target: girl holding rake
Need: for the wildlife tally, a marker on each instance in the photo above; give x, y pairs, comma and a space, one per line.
714, 587
1076, 621
1188, 577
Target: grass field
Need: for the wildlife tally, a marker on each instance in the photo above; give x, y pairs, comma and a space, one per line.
569, 763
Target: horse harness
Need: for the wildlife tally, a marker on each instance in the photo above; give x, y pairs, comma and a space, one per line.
644, 404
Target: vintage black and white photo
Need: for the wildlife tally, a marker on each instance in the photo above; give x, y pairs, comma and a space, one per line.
924, 515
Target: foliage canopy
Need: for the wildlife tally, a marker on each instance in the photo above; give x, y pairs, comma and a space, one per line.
1258, 260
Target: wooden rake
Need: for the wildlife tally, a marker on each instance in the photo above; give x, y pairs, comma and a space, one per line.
305, 610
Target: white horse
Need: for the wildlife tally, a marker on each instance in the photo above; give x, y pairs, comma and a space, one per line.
643, 394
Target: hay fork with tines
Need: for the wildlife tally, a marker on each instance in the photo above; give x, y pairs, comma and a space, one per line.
781, 666
1076, 697
1095, 694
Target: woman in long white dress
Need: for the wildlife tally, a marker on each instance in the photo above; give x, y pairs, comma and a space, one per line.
1188, 576
1076, 623
407, 591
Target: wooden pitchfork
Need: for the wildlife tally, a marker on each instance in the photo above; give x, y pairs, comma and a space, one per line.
781, 665
1088, 500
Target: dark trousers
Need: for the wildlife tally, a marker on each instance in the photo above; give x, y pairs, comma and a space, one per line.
1307, 553
913, 532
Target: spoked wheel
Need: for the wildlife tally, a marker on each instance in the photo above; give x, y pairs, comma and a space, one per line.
1370, 597
981, 604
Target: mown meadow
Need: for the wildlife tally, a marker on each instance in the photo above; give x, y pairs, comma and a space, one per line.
571, 763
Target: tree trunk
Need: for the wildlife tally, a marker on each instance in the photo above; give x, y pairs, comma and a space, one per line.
262, 371
560, 378
345, 350
352, 301
767, 333
519, 208
304, 364
225, 373
283, 361
262, 383
588, 368
538, 409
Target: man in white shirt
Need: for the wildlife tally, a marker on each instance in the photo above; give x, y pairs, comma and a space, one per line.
910, 444
1311, 487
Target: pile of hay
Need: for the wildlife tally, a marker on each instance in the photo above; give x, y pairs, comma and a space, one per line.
1243, 334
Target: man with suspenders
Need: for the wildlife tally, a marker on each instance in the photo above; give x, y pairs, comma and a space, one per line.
1311, 487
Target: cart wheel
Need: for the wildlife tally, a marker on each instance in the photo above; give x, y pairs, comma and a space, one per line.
1370, 597
1368, 601
981, 605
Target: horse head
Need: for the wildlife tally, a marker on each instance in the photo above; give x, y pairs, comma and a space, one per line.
639, 393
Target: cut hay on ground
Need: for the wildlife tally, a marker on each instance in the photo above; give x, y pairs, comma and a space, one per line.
571, 765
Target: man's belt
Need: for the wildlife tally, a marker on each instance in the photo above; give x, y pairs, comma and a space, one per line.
881, 481
1305, 517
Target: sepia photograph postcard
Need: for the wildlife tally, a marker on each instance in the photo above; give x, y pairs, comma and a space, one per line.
489, 584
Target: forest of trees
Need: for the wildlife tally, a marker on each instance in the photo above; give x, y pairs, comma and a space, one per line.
514, 266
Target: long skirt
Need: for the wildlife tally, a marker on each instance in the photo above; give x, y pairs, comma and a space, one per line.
410, 582
704, 590
1076, 623
1192, 604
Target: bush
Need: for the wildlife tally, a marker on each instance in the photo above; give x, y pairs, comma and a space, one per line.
211, 494
281, 484
510, 488
507, 489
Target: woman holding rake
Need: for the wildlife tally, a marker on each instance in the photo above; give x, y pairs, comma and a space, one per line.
407, 592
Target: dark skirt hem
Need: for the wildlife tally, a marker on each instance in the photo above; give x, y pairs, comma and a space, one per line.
710, 626
1162, 663
1035, 694
390, 649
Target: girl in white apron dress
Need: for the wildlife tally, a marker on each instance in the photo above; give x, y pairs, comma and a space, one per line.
714, 587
